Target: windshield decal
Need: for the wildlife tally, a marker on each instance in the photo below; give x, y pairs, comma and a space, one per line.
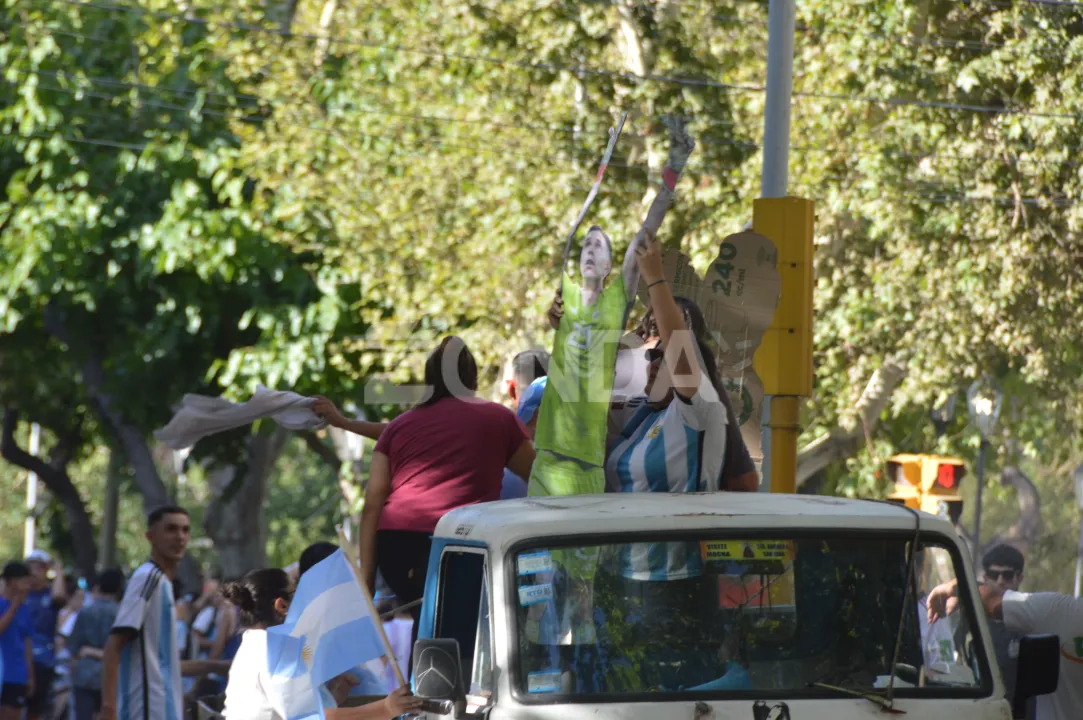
535, 562
534, 594
543, 681
737, 550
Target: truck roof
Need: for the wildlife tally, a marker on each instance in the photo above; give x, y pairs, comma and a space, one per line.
504, 522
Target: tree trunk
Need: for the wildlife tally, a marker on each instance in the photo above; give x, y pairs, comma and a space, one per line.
125, 435
844, 440
110, 509
323, 43
54, 474
234, 516
1026, 531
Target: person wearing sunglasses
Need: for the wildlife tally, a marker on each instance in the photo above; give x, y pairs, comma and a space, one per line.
684, 411
1038, 613
681, 437
1003, 566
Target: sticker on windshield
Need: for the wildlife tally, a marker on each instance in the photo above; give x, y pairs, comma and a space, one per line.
738, 550
535, 562
534, 594
544, 681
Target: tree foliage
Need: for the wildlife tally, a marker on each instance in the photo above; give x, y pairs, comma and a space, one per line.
203, 197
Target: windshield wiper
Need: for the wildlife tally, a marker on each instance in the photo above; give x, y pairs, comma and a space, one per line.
883, 702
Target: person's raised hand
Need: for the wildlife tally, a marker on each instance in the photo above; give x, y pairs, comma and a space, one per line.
942, 601
328, 411
649, 258
400, 702
556, 311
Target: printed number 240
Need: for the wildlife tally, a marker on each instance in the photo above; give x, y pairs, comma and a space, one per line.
724, 268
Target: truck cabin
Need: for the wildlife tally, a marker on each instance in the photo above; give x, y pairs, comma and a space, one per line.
654, 598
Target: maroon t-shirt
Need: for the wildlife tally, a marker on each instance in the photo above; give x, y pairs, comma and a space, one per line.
443, 456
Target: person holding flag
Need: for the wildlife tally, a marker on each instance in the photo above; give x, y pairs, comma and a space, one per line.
294, 644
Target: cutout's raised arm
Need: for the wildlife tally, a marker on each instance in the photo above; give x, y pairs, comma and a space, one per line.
681, 146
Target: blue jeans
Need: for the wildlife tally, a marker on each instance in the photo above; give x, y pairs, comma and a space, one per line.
86, 702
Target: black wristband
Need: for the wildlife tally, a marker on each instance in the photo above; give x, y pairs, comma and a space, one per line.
656, 282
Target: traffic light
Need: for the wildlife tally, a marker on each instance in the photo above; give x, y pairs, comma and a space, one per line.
929, 483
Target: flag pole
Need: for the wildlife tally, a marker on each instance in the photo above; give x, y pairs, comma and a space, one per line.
355, 566
614, 135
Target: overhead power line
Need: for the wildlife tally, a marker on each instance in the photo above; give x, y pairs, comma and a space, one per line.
292, 121
582, 70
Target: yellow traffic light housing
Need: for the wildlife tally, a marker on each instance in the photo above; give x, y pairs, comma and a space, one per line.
929, 483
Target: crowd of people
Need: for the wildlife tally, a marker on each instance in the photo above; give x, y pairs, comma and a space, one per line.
141, 647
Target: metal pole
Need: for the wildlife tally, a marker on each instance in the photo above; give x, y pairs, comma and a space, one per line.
776, 119
977, 507
1079, 560
31, 531
776, 156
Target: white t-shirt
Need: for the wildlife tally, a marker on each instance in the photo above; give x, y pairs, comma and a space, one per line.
1054, 614
251, 693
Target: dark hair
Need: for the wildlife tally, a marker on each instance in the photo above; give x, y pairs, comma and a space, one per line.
160, 512
313, 554
255, 595
466, 370
15, 570
530, 365
694, 321
608, 242
1005, 556
110, 582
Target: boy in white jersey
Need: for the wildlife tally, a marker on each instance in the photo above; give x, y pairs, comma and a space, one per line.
141, 665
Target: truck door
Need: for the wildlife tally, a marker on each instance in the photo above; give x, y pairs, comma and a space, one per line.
462, 613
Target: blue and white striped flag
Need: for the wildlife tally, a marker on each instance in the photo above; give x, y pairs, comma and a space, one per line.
329, 630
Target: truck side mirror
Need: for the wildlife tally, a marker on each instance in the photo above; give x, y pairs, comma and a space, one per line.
1039, 666
438, 674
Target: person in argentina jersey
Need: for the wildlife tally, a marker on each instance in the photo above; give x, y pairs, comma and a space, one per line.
682, 436
141, 665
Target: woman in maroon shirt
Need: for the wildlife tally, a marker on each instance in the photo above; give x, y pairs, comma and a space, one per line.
449, 451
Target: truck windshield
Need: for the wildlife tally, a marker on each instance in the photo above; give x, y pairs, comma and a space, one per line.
798, 617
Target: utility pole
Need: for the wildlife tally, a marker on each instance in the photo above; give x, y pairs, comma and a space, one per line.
776, 120
31, 532
784, 358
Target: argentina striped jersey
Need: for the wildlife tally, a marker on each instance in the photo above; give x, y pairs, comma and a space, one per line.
679, 448
149, 679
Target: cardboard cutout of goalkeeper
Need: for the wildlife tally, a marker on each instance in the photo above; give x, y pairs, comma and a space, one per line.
589, 317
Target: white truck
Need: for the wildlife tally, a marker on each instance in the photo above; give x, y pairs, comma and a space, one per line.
725, 605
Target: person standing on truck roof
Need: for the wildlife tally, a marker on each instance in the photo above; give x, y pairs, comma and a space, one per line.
449, 451
1003, 566
1033, 614
525, 389
682, 437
